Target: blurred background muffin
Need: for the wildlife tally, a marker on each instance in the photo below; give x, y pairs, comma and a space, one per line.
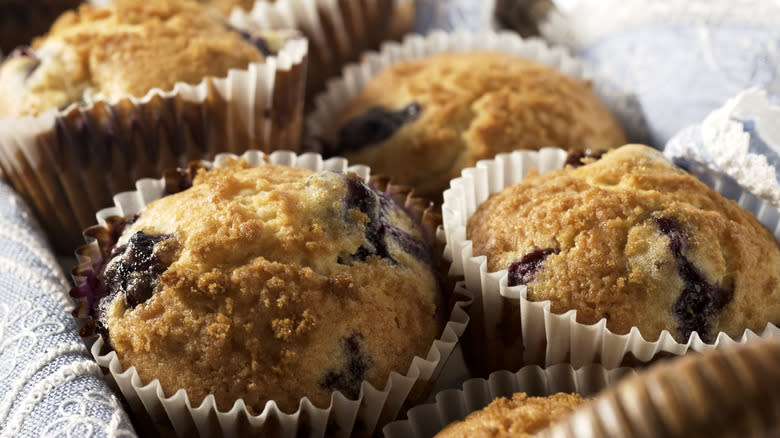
422, 121
127, 49
114, 94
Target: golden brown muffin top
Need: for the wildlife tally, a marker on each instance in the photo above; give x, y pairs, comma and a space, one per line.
635, 240
125, 49
443, 113
226, 6
520, 417
270, 283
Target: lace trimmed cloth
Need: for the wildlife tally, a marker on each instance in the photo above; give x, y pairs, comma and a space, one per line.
49, 384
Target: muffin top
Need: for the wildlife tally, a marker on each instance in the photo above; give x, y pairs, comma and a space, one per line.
637, 241
226, 6
422, 121
125, 49
520, 417
270, 283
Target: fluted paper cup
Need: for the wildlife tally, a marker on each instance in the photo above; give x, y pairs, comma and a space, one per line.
373, 408
338, 30
67, 164
508, 329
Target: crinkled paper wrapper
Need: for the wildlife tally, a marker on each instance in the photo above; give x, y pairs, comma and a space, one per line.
540, 336
740, 139
330, 104
67, 164
338, 30
374, 406
452, 405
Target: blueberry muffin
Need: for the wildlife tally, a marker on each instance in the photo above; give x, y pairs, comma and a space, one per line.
269, 283
422, 121
125, 49
634, 240
520, 417
21, 21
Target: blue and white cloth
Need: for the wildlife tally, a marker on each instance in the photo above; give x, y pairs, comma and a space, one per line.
682, 59
49, 384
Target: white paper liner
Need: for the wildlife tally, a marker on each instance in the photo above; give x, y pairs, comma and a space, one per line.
65, 163
374, 407
339, 31
549, 338
452, 405
330, 104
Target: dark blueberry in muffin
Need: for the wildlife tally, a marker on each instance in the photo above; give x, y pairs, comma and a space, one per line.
360, 196
351, 375
699, 299
256, 40
575, 158
136, 267
523, 270
410, 244
376, 205
375, 125
176, 181
671, 229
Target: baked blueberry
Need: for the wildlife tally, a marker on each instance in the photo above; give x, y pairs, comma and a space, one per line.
523, 270
379, 228
699, 299
349, 378
375, 125
577, 158
135, 268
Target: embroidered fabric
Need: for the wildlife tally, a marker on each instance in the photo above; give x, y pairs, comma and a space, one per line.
681, 59
49, 385
742, 139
